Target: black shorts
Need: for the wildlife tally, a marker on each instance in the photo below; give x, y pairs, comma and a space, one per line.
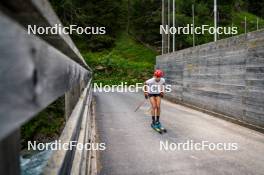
154, 95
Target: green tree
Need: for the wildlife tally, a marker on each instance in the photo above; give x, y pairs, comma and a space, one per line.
97, 13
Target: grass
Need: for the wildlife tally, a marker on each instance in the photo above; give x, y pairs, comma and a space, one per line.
128, 61
239, 18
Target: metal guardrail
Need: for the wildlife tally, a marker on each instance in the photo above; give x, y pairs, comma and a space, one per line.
80, 128
35, 71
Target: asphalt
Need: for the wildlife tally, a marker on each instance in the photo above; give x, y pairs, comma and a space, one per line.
133, 147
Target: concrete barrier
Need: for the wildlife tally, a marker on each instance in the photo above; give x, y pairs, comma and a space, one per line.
224, 77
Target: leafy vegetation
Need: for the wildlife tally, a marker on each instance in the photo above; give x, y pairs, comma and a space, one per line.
142, 19
94, 13
146, 18
46, 126
128, 62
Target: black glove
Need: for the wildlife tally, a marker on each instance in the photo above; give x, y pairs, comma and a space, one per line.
146, 96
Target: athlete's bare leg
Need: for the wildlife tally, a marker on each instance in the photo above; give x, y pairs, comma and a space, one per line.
158, 101
153, 105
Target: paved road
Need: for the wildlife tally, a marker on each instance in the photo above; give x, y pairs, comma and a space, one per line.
134, 148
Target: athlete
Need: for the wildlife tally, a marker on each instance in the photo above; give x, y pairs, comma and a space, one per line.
154, 90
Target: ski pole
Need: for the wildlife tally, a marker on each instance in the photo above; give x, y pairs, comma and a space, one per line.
140, 104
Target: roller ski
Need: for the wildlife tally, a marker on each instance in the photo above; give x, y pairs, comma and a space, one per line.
157, 127
160, 127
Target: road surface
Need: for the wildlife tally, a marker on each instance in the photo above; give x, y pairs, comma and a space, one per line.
133, 147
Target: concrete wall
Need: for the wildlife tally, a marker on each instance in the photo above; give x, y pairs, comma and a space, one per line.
226, 77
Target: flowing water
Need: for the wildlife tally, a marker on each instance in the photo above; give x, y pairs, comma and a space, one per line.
34, 163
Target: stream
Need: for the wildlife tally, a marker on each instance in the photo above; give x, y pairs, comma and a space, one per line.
34, 163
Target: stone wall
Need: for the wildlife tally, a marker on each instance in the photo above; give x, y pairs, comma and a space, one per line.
226, 77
